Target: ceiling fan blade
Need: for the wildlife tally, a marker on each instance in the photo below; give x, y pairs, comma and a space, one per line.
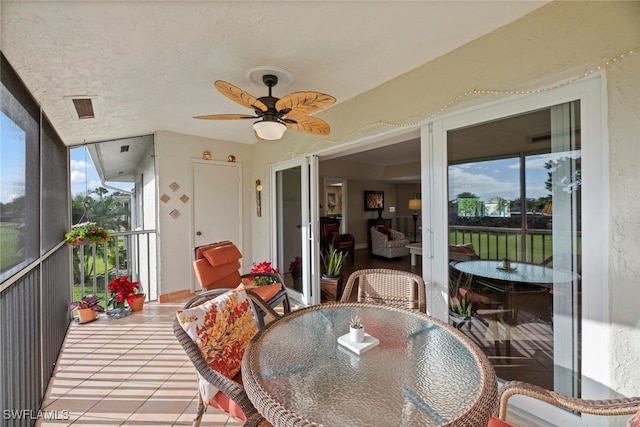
303, 103
225, 117
238, 95
307, 124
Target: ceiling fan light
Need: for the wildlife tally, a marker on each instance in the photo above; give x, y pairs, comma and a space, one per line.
269, 130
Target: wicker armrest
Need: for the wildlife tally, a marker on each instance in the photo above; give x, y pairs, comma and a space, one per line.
607, 407
227, 386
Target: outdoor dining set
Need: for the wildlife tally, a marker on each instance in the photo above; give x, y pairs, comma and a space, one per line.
301, 368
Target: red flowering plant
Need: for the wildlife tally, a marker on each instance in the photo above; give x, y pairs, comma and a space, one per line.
122, 290
295, 268
263, 267
87, 232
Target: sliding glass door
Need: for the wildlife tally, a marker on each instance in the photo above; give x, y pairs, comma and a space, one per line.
508, 262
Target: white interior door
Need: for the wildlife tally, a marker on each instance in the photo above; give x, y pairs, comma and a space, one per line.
217, 202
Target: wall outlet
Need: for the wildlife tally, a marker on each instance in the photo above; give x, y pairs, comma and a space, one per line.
392, 209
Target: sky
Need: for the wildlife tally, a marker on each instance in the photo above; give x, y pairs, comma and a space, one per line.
501, 178
84, 176
12, 165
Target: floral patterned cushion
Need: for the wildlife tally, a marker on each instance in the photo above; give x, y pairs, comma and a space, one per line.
222, 328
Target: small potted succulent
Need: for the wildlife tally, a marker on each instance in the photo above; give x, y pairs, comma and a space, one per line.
356, 330
87, 308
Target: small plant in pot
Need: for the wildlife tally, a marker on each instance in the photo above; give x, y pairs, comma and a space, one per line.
87, 308
331, 281
332, 260
356, 330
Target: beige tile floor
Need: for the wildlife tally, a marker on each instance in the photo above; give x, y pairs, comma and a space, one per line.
126, 372
130, 372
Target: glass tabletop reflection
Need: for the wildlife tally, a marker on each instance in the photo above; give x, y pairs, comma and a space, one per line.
423, 372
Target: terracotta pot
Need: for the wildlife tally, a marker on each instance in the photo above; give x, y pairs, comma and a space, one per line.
86, 315
137, 303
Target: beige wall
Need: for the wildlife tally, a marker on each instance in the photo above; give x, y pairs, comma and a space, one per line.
553, 45
174, 155
624, 205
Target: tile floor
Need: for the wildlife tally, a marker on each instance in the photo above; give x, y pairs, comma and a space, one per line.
129, 372
126, 372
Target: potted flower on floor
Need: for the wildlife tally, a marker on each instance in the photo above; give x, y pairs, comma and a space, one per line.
331, 282
124, 291
87, 308
295, 268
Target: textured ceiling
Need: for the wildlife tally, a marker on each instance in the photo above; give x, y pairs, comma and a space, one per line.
152, 64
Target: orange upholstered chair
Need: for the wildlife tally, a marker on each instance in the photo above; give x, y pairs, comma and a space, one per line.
217, 267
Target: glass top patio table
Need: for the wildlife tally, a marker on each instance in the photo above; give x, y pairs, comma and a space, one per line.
422, 373
522, 272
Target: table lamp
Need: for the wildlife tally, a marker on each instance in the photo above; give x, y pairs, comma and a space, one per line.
415, 205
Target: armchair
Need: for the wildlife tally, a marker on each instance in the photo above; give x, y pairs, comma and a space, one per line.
330, 229
606, 407
387, 242
217, 266
215, 346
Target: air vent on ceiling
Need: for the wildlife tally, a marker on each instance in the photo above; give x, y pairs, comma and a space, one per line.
124, 148
82, 107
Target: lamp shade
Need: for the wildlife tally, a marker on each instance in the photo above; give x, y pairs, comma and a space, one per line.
415, 204
269, 130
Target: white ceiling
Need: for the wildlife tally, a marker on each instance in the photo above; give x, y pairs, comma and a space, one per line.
152, 64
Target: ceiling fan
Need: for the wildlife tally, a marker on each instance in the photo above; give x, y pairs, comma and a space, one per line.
277, 114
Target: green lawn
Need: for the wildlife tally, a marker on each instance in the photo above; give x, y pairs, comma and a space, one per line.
494, 246
10, 243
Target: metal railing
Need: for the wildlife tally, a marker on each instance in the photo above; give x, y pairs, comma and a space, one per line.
532, 246
128, 253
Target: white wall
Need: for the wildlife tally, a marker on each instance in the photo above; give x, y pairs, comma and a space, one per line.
552, 46
624, 205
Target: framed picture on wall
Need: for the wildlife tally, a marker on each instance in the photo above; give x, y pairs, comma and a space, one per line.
331, 199
373, 200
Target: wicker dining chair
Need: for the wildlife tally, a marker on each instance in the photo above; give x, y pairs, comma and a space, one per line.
606, 407
231, 398
386, 286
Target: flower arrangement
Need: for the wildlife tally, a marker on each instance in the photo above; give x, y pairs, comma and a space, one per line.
295, 268
89, 301
263, 267
122, 290
86, 232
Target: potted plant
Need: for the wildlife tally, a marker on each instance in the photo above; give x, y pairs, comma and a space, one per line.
263, 267
124, 291
460, 311
331, 281
356, 330
295, 268
87, 308
86, 233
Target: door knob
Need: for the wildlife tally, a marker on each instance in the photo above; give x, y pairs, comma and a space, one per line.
198, 233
